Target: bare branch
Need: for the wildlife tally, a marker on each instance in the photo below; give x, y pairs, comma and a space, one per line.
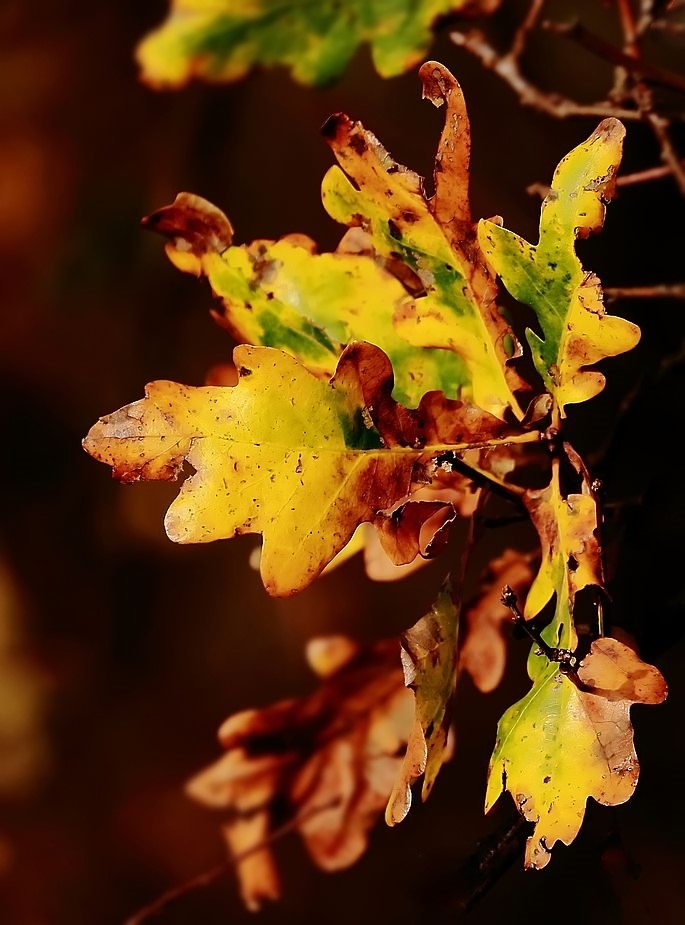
518, 45
646, 176
675, 291
634, 64
553, 104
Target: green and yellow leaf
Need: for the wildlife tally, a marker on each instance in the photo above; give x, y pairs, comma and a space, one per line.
283, 294
221, 40
570, 739
577, 332
408, 276
454, 308
429, 659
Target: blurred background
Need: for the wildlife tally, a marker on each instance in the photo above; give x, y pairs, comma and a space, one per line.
120, 653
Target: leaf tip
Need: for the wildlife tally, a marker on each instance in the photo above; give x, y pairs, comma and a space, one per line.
193, 225
438, 82
332, 127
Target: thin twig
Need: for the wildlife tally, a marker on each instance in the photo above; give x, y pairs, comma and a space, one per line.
566, 658
159, 905
553, 104
663, 26
209, 876
530, 21
646, 176
631, 46
630, 30
675, 291
660, 127
577, 33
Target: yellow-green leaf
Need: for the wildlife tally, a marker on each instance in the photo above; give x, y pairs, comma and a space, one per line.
435, 238
570, 739
429, 659
221, 40
576, 330
283, 294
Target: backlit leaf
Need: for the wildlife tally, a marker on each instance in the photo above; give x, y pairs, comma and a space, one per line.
429, 659
282, 453
221, 40
568, 740
577, 332
408, 276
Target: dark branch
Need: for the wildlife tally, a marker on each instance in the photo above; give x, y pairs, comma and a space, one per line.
632, 63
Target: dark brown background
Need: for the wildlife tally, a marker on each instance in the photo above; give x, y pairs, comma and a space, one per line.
133, 649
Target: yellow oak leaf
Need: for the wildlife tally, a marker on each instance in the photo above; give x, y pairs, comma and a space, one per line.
283, 453
571, 738
284, 294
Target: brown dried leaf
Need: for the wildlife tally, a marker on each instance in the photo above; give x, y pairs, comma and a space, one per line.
329, 759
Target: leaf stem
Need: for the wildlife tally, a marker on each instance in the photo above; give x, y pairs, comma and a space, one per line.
565, 657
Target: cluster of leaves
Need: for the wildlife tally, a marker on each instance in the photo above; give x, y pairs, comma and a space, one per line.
383, 385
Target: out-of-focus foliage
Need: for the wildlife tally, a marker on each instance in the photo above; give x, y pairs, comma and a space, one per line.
221, 40
24, 751
329, 759
483, 654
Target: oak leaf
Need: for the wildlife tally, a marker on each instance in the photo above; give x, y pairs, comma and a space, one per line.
429, 660
570, 739
221, 40
328, 761
577, 332
283, 453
